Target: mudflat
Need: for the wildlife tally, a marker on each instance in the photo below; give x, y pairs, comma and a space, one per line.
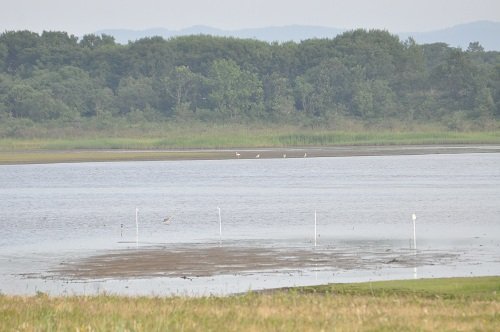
204, 260
59, 156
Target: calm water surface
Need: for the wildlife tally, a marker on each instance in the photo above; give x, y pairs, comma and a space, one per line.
61, 210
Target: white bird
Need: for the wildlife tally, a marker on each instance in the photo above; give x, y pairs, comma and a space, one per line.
257, 156
284, 155
305, 154
167, 220
238, 155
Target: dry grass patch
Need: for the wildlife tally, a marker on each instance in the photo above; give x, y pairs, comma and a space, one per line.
296, 309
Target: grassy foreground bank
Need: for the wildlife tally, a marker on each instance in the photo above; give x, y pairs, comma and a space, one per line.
429, 304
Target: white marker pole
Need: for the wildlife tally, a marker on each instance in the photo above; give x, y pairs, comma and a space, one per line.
314, 228
414, 217
220, 227
136, 227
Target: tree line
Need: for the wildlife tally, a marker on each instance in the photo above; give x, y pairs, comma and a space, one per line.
366, 75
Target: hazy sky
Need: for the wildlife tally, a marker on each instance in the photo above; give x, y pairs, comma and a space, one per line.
86, 16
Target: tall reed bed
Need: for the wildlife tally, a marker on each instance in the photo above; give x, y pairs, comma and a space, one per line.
223, 137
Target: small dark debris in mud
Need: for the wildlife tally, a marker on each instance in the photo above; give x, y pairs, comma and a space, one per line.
30, 275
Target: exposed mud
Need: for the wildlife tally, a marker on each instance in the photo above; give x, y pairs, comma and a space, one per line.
211, 260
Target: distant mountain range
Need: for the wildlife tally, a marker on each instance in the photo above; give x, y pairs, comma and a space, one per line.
487, 33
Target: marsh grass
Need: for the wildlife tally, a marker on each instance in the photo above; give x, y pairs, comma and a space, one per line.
91, 144
387, 138
204, 136
427, 305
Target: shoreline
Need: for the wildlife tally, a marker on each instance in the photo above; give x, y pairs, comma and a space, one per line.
79, 156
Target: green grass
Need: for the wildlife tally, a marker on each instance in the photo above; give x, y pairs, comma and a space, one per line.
117, 133
256, 138
485, 288
387, 138
463, 304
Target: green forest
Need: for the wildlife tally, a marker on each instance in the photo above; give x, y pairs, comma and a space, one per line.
370, 77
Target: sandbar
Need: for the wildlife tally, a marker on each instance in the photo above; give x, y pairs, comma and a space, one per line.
68, 156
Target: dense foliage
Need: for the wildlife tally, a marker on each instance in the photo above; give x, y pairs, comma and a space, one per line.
367, 75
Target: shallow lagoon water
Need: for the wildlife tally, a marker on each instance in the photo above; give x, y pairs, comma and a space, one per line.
60, 213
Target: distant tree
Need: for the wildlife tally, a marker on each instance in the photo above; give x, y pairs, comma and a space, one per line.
136, 94
234, 91
58, 40
475, 47
23, 101
180, 86
484, 105
411, 74
22, 51
3, 57
457, 80
284, 60
311, 53
6, 84
332, 84
70, 85
495, 89
363, 100
92, 41
107, 65
377, 52
149, 57
367, 75
278, 95
384, 99
304, 92
435, 54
